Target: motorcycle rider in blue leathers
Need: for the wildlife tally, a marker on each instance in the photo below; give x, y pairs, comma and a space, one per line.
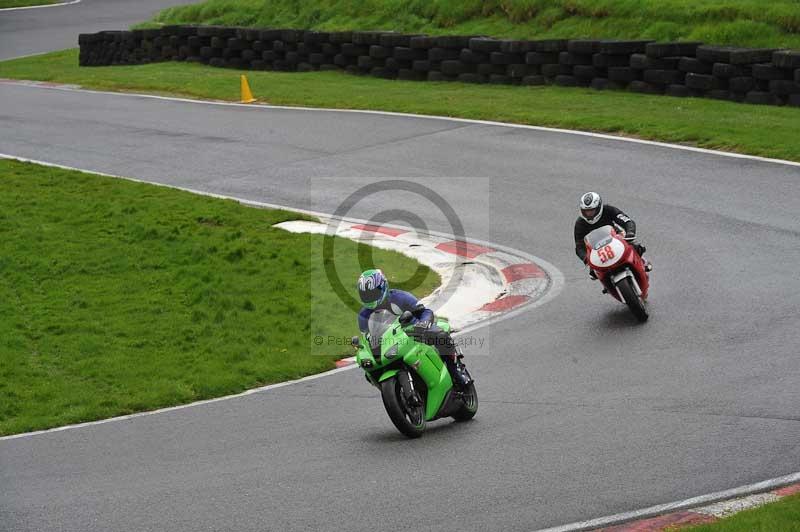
373, 289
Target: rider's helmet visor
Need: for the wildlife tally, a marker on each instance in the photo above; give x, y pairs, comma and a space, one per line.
372, 295
589, 213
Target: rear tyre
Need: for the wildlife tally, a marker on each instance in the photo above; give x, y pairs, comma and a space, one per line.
408, 420
469, 406
633, 301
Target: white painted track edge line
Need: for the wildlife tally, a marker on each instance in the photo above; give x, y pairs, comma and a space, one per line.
604, 136
686, 504
3, 10
250, 391
556, 282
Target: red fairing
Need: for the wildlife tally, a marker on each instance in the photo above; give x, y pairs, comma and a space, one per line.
630, 259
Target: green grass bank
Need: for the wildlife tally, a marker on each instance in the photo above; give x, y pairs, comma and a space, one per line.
758, 130
119, 297
752, 23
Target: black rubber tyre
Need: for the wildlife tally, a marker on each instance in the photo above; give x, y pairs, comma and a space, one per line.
542, 58
633, 301
724, 70
500, 58
623, 48
586, 72
701, 82
696, 66
622, 74
672, 49
607, 60
664, 77
410, 424
566, 81
762, 98
452, 68
443, 54
786, 59
767, 71
516, 47
571, 58
470, 406
583, 46
550, 45
484, 45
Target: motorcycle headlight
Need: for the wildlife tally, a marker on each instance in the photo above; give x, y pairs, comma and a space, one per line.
391, 352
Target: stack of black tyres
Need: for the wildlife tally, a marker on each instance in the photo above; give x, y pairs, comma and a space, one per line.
763, 76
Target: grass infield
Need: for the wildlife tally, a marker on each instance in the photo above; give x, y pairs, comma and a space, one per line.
757, 130
118, 297
783, 516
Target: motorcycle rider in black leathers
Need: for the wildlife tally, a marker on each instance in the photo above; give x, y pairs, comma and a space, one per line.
594, 214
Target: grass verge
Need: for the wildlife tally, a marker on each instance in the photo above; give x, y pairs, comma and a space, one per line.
118, 297
783, 516
758, 130
737, 22
5, 4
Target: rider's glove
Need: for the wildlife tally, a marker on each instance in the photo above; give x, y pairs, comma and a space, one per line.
424, 324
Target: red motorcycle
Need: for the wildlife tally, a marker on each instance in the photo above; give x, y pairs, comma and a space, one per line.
619, 267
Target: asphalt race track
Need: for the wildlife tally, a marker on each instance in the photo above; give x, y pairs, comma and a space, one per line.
32, 31
583, 413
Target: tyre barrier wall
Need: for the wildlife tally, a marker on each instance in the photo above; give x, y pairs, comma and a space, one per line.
760, 76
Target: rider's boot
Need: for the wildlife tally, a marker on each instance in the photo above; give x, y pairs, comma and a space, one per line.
457, 369
648, 266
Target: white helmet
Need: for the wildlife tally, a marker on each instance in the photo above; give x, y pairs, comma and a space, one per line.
591, 206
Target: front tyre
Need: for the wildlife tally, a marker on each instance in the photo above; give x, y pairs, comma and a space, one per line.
410, 420
633, 301
469, 403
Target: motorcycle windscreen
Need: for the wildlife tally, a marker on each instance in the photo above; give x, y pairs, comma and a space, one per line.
599, 237
379, 322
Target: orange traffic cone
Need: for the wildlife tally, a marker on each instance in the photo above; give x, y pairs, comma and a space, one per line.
247, 95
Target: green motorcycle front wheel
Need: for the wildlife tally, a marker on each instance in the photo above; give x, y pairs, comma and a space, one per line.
410, 420
469, 406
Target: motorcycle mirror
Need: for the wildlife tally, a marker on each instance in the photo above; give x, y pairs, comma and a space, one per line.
355, 342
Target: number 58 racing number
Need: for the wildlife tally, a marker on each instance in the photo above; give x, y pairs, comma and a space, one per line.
605, 254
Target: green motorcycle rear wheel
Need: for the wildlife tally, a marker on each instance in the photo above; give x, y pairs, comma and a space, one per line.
470, 404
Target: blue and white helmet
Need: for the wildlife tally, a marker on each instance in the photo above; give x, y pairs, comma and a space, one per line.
372, 288
591, 206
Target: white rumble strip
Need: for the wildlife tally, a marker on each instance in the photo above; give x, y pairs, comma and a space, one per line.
727, 508
492, 281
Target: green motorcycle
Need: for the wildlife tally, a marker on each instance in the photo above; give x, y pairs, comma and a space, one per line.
413, 379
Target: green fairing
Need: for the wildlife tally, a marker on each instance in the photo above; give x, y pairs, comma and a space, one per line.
418, 357
388, 374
